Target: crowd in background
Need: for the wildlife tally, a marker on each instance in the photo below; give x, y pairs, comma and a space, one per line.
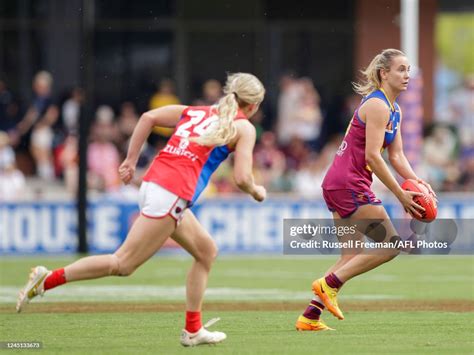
296, 139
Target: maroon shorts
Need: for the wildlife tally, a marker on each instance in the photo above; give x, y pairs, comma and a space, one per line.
345, 202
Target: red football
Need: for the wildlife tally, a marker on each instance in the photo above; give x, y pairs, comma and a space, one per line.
426, 201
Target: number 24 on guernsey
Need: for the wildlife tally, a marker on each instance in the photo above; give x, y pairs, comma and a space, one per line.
197, 124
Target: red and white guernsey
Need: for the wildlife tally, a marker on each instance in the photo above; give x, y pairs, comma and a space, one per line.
184, 167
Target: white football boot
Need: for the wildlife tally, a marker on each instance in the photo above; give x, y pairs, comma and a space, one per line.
34, 286
202, 336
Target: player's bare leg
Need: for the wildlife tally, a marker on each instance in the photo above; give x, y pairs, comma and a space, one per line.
144, 239
364, 262
196, 240
326, 288
311, 317
346, 253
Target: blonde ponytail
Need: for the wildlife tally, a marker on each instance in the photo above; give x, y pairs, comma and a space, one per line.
372, 80
241, 89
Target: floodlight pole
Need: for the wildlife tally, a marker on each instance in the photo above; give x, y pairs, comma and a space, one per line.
410, 30
411, 101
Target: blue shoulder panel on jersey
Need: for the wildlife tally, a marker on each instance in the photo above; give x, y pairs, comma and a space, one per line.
217, 156
392, 125
377, 94
394, 120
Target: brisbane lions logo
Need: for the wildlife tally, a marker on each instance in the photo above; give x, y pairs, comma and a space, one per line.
342, 148
390, 128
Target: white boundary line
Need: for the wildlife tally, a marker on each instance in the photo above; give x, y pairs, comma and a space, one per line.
114, 293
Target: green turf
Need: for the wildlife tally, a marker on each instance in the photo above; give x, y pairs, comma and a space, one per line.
407, 277
404, 279
248, 333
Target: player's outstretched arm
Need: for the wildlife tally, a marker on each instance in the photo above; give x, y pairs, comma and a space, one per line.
243, 160
167, 116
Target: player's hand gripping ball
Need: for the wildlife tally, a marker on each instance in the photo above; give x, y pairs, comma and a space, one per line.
427, 200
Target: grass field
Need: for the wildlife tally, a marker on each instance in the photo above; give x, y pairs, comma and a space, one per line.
410, 305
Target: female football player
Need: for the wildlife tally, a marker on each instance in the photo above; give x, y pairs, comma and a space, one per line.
347, 192
204, 136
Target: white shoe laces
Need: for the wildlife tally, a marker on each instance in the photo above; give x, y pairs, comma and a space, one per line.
211, 322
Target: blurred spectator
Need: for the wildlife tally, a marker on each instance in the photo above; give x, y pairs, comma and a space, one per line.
103, 157
211, 93
42, 144
105, 114
7, 155
69, 161
299, 111
440, 152
462, 114
445, 81
71, 111
38, 120
7, 121
338, 115
9, 114
308, 117
296, 152
269, 162
287, 101
127, 121
466, 179
12, 180
309, 178
165, 95
284, 161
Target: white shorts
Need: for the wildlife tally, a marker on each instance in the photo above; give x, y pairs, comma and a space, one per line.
157, 202
42, 137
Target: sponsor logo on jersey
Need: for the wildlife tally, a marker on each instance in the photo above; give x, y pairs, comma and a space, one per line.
171, 149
